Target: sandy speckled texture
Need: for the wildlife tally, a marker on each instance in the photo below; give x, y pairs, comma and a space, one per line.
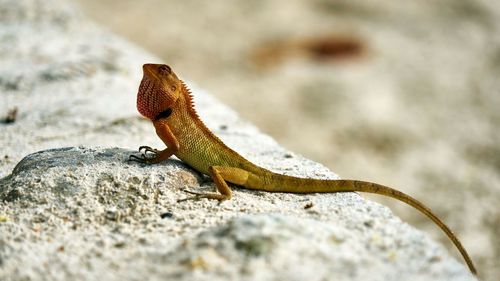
403, 93
73, 208
86, 214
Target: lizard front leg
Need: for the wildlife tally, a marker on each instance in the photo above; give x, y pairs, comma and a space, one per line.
166, 135
221, 175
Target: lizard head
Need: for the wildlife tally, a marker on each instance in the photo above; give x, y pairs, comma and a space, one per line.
159, 90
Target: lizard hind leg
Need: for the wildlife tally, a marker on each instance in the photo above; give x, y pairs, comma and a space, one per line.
221, 175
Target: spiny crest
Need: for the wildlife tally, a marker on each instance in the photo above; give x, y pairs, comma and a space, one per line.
189, 97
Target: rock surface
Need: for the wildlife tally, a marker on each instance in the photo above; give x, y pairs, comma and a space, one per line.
397, 92
77, 210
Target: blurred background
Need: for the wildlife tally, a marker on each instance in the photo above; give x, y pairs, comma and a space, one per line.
404, 93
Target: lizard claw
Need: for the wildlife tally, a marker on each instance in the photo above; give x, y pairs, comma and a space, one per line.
147, 156
147, 149
140, 159
200, 195
188, 198
196, 196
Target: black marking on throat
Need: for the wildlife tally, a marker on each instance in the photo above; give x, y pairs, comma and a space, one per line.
164, 114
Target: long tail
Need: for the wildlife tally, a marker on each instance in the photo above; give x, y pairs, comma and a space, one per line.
280, 183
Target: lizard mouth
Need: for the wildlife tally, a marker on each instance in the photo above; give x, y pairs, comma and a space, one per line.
164, 114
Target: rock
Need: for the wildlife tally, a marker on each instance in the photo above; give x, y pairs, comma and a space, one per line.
91, 207
78, 210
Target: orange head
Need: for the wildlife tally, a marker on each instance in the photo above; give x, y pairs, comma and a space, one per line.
159, 90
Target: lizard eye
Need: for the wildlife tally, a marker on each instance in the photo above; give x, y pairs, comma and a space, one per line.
173, 88
164, 69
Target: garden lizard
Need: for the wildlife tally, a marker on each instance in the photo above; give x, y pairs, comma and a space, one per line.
168, 103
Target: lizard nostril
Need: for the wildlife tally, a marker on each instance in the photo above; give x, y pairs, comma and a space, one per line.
164, 69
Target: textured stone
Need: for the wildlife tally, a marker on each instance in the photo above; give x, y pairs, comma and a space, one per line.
78, 210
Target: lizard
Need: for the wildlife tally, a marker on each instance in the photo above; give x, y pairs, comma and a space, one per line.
166, 100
